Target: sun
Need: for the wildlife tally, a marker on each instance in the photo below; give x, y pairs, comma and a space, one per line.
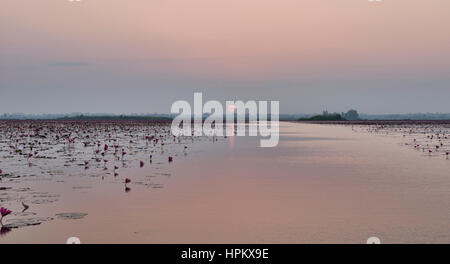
232, 108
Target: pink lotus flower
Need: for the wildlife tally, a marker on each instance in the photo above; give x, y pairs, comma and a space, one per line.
170, 159
127, 180
116, 167
86, 162
4, 212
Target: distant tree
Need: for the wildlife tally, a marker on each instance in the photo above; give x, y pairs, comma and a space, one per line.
328, 117
351, 114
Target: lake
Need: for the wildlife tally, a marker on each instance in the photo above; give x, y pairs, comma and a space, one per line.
323, 183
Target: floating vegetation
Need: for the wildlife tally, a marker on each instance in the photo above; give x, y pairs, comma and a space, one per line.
23, 222
431, 138
79, 155
70, 216
81, 187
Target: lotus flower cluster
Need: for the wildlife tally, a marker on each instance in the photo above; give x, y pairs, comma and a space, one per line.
91, 146
431, 137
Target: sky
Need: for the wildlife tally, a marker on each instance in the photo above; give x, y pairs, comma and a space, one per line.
140, 56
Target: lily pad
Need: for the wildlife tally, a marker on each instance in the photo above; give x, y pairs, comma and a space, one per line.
18, 222
71, 216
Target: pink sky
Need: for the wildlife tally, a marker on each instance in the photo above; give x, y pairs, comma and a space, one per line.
318, 47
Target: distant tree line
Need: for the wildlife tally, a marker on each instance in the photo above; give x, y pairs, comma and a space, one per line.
88, 116
351, 114
114, 117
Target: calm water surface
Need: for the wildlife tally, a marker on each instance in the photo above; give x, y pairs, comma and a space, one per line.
322, 184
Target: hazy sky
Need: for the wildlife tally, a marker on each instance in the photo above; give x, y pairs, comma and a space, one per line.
124, 56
